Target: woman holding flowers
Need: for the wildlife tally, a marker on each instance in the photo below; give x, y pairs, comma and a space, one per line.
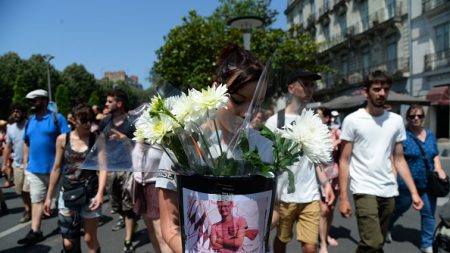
240, 71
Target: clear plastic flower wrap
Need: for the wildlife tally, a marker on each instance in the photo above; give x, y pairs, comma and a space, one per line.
186, 127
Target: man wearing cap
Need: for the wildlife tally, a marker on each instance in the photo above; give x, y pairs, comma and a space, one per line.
302, 206
39, 150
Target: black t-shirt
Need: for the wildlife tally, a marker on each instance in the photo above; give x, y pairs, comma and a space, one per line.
127, 127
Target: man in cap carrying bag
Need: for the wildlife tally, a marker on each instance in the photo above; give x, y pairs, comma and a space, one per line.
39, 149
300, 208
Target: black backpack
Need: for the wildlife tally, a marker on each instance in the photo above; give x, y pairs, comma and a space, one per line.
441, 238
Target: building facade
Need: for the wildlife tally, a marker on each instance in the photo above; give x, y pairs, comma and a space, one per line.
116, 76
359, 36
430, 44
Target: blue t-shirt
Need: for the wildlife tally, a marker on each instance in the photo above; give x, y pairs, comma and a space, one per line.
40, 136
413, 157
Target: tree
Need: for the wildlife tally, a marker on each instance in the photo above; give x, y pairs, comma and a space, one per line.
94, 99
79, 81
10, 66
188, 57
19, 90
62, 98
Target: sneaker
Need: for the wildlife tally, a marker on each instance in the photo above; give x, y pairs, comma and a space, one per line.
31, 238
25, 217
119, 225
4, 209
128, 248
388, 237
427, 250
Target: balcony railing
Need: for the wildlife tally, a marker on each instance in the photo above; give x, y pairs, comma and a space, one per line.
377, 17
428, 5
437, 60
397, 68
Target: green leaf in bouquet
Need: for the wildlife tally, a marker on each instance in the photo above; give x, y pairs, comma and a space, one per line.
174, 144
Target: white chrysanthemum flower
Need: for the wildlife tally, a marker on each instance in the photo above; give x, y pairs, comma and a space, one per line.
170, 102
312, 136
209, 100
156, 129
139, 135
156, 105
184, 111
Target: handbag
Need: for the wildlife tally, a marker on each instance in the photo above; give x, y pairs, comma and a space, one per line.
436, 186
75, 195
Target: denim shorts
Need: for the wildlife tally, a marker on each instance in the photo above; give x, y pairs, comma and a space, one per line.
84, 211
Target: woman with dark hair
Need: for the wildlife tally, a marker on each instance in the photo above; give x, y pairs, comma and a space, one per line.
419, 140
240, 71
332, 173
71, 150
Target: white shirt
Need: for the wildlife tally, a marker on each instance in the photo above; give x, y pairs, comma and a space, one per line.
146, 160
306, 183
373, 140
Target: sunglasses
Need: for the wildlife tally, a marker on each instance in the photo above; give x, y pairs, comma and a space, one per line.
85, 121
420, 116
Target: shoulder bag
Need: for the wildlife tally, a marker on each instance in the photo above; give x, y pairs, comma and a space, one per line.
436, 186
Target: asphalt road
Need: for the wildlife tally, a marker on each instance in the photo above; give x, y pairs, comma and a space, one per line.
406, 234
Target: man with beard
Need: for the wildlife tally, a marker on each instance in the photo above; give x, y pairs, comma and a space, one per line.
39, 149
371, 150
116, 127
14, 143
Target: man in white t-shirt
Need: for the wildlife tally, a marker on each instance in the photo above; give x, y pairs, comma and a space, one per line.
301, 206
371, 150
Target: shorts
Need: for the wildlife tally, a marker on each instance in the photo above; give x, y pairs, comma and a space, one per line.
84, 211
38, 186
121, 201
306, 215
21, 183
146, 201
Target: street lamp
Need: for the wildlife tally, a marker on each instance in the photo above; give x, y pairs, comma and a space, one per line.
246, 23
48, 58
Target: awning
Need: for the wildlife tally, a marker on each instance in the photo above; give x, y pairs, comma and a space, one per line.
439, 95
353, 101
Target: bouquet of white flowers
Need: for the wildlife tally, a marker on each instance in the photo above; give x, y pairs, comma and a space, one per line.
185, 127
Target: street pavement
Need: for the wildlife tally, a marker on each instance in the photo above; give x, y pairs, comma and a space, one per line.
406, 233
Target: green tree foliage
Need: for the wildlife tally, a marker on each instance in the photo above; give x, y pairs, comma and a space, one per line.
10, 66
19, 90
79, 82
62, 97
94, 99
188, 57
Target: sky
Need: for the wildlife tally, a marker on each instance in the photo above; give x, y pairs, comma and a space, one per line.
103, 35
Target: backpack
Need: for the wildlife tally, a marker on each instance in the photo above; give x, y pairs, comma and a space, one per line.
441, 238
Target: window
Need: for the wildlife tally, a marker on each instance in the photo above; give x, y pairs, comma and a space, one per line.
442, 37
364, 12
365, 54
391, 54
312, 3
344, 65
300, 16
391, 8
326, 32
342, 20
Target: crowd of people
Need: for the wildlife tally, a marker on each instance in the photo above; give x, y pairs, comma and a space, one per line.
374, 155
